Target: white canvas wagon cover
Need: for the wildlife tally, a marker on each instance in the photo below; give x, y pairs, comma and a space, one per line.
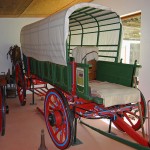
45, 40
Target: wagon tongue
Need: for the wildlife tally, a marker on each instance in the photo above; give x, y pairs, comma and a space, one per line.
131, 132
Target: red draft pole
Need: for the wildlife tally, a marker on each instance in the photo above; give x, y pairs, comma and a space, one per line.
74, 66
131, 132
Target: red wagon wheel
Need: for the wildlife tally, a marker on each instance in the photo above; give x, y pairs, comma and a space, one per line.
2, 113
133, 117
20, 81
58, 119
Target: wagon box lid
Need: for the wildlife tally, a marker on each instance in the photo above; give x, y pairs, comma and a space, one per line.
45, 40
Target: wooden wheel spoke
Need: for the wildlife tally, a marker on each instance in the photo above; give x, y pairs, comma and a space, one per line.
57, 103
132, 117
52, 106
127, 117
63, 134
130, 112
57, 131
64, 130
59, 134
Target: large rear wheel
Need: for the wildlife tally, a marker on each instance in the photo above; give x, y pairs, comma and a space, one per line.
2, 113
133, 117
20, 81
58, 119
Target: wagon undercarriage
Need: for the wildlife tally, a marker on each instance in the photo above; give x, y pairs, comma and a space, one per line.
62, 109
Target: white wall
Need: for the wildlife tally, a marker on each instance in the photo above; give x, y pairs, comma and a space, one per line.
129, 6
9, 36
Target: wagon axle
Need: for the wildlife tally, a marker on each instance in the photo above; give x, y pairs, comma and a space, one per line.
55, 118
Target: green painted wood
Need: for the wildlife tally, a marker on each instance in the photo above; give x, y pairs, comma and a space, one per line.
52, 73
118, 73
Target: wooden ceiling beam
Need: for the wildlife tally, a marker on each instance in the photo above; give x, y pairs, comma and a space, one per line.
131, 16
34, 8
40, 8
13, 7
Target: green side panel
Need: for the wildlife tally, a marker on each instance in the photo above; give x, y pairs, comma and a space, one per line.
58, 74
33, 66
63, 77
47, 72
118, 73
54, 74
39, 69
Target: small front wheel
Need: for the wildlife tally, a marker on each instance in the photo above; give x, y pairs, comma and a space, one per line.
133, 117
58, 119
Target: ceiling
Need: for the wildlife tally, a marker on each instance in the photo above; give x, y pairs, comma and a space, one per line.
33, 8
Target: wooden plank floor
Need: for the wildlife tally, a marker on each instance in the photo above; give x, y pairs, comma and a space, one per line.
24, 124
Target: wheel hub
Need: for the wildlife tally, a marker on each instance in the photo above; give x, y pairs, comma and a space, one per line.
51, 119
55, 118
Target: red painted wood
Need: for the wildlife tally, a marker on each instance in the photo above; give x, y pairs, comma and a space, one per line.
130, 131
74, 66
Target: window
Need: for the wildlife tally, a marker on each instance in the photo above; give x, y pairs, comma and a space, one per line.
131, 38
